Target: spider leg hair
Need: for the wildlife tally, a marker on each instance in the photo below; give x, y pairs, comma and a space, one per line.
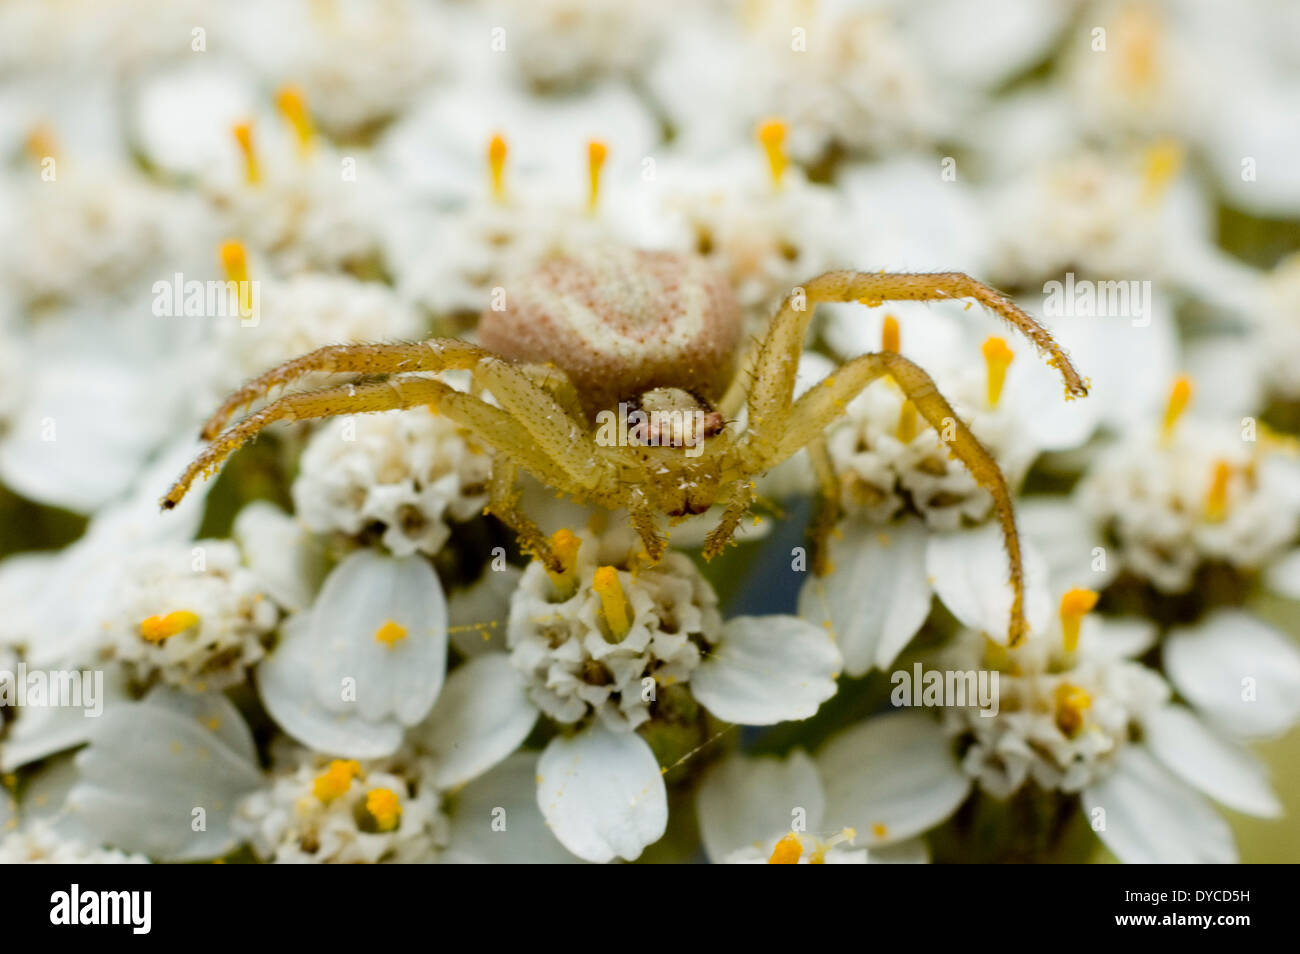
821, 405
773, 386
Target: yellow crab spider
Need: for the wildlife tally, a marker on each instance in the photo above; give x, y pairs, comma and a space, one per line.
626, 329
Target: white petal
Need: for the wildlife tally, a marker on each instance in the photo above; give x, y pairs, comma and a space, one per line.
152, 763
1148, 816
891, 777
1242, 674
1203, 759
481, 717
1063, 535
283, 553
876, 596
495, 820
602, 794
362, 594
1283, 577
969, 572
477, 614
746, 801
767, 669
284, 682
39, 731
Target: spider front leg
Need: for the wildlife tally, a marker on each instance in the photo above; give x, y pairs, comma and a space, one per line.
818, 408
349, 399
437, 354
774, 373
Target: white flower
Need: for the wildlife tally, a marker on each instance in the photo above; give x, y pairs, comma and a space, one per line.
366, 662
559, 44
360, 64
193, 615
321, 811
92, 234
156, 767
1192, 494
575, 662
767, 809
406, 474
1076, 714
41, 843
602, 639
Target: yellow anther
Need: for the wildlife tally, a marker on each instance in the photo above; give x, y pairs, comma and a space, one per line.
788, 851
890, 338
293, 107
497, 166
1161, 164
1138, 32
1072, 703
390, 634
564, 544
234, 262
879, 830
997, 358
156, 629
1075, 605
771, 135
1216, 501
336, 779
252, 168
40, 143
613, 603
1180, 395
597, 151
384, 808
908, 423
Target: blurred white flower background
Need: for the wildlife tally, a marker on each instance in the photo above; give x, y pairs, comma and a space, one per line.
332, 652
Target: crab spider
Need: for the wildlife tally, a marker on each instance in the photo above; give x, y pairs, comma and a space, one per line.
639, 329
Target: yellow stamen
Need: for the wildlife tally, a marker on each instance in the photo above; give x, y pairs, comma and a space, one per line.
390, 634
497, 166
384, 808
1138, 32
908, 423
771, 134
40, 143
1216, 501
1071, 704
1075, 605
336, 779
997, 358
252, 168
1180, 395
596, 153
890, 338
612, 601
293, 107
788, 851
156, 629
234, 262
1161, 164
564, 544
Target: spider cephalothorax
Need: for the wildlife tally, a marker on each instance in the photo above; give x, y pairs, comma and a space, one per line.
590, 339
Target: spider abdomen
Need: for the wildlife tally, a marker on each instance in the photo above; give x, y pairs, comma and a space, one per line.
620, 322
